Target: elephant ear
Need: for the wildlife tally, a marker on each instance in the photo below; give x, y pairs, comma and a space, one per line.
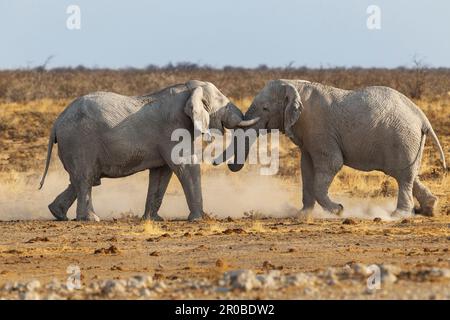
293, 109
195, 109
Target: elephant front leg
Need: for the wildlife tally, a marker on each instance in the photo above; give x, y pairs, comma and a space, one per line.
190, 179
307, 172
322, 182
327, 164
158, 182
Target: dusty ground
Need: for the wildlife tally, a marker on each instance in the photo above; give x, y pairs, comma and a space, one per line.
178, 252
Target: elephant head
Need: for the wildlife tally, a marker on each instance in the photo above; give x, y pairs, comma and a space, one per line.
277, 106
211, 109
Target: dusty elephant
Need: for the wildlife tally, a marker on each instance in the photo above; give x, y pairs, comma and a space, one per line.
374, 128
104, 134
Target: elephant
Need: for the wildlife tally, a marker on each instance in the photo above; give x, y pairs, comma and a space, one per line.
373, 128
107, 135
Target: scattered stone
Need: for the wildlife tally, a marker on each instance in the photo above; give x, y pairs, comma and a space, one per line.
30, 295
220, 263
270, 280
111, 250
389, 273
433, 274
33, 285
236, 231
361, 269
116, 268
301, 279
13, 251
113, 287
377, 219
348, 221
244, 280
38, 239
140, 281
291, 250
268, 266
155, 254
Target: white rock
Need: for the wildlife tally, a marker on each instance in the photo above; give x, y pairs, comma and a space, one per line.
270, 280
53, 285
301, 279
242, 279
114, 287
145, 293
160, 287
139, 281
33, 285
389, 273
361, 269
30, 295
54, 296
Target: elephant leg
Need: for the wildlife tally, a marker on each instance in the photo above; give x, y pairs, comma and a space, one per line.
426, 199
158, 182
190, 179
405, 201
326, 166
62, 203
85, 209
307, 182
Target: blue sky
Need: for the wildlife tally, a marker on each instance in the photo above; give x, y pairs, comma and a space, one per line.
233, 32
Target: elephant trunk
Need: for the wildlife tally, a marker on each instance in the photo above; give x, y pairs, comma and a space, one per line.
233, 150
234, 118
238, 162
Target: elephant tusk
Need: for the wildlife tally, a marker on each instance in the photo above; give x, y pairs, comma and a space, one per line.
248, 123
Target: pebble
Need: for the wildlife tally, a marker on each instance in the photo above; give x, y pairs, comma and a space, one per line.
242, 279
272, 282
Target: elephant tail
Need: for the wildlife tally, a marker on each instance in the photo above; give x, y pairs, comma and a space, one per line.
51, 141
429, 129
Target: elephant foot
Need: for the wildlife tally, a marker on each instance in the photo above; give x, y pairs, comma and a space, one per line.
154, 217
398, 213
338, 210
305, 212
427, 208
57, 212
89, 217
195, 217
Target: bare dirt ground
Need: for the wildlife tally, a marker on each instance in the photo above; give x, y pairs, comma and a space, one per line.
191, 260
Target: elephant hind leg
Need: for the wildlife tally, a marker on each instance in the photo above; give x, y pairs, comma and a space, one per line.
62, 203
85, 209
405, 202
426, 199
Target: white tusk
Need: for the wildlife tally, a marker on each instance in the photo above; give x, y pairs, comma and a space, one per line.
248, 123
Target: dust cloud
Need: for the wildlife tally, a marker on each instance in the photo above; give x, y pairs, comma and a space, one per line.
224, 195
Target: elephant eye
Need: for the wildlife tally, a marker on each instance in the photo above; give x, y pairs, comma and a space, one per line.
265, 109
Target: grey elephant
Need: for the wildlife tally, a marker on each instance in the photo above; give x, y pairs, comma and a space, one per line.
107, 135
374, 128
